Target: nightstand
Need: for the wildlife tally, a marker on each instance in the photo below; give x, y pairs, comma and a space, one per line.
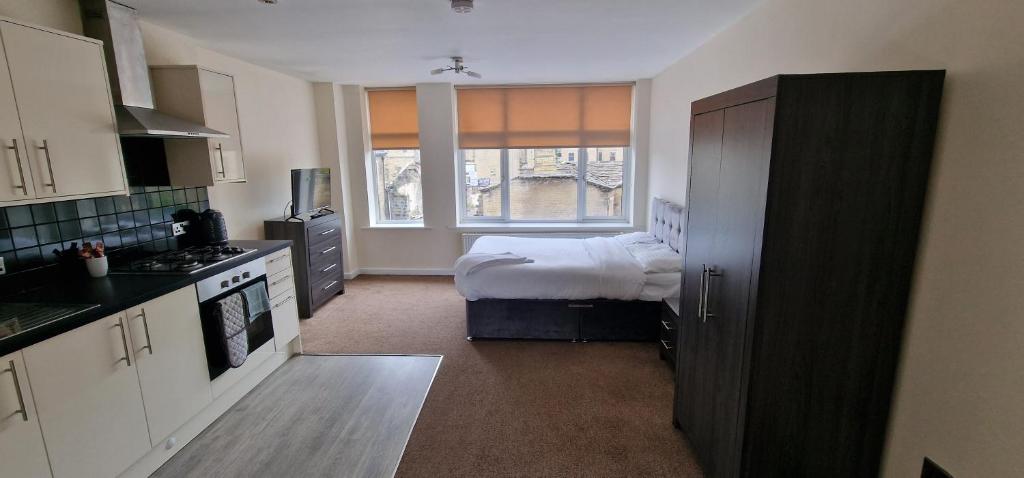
669, 325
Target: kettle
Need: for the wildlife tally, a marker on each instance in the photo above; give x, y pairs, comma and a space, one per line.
214, 231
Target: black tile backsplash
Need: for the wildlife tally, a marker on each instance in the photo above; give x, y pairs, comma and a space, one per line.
30, 234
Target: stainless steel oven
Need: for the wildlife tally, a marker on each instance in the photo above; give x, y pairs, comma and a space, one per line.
259, 329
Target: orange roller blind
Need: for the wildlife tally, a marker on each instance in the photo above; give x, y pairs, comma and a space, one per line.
545, 116
393, 119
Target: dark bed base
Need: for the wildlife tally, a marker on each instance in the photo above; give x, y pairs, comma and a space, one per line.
596, 319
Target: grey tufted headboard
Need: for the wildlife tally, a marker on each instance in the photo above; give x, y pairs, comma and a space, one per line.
667, 223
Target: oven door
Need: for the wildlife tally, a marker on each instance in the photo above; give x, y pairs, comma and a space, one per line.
259, 329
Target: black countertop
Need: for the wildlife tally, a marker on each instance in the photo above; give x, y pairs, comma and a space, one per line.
109, 295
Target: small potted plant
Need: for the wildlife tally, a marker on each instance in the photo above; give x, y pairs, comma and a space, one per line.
95, 259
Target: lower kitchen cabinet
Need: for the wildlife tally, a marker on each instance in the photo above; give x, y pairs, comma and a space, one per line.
168, 337
22, 453
87, 394
283, 299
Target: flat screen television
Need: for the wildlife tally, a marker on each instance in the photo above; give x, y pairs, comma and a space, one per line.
311, 190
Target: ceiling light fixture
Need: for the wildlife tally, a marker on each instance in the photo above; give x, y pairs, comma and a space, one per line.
462, 6
458, 68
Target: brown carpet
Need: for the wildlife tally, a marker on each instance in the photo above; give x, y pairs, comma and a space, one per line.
505, 408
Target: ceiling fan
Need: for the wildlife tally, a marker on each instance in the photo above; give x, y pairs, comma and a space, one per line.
458, 67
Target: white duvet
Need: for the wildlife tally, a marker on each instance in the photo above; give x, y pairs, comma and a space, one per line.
574, 269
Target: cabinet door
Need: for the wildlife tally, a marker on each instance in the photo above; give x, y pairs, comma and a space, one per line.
221, 111
22, 452
87, 395
168, 338
64, 101
742, 187
694, 363
15, 175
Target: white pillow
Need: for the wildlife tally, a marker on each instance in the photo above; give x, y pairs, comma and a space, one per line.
637, 238
656, 258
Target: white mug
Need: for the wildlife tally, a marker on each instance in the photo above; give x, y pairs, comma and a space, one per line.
97, 266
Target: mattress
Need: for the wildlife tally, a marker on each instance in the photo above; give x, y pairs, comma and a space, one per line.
569, 269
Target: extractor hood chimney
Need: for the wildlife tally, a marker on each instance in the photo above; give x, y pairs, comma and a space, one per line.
118, 27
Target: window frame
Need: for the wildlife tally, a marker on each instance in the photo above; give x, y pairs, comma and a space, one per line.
374, 176
581, 191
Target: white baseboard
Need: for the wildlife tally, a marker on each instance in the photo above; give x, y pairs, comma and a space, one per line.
383, 271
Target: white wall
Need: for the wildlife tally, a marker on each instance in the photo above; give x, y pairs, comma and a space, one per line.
277, 115
958, 398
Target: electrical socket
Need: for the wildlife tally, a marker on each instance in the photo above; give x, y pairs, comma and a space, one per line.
178, 228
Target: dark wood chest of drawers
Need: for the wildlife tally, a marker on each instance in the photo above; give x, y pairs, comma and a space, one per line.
316, 258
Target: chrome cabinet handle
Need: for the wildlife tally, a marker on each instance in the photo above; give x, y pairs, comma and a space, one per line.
327, 231
329, 249
328, 286
707, 291
667, 326
700, 293
276, 259
17, 391
332, 266
666, 345
220, 150
145, 329
49, 165
286, 299
21, 172
280, 280
124, 342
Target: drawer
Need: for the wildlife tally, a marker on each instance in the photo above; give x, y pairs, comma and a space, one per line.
280, 283
326, 249
279, 262
322, 291
321, 272
324, 232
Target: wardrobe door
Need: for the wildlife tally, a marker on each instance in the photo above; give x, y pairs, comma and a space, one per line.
695, 368
746, 147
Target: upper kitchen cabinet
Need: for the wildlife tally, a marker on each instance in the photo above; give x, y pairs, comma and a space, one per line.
208, 98
57, 118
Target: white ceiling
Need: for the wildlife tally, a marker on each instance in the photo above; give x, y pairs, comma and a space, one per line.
392, 42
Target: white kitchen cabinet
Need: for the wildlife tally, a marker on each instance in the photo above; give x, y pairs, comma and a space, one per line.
88, 398
206, 97
22, 452
168, 337
15, 176
60, 85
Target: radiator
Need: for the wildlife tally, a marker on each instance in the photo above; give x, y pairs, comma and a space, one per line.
469, 239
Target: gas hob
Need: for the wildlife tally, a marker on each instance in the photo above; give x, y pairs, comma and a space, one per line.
185, 261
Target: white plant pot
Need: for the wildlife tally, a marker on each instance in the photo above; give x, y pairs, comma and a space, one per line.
97, 266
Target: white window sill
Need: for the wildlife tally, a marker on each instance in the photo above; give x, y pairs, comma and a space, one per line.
395, 227
544, 227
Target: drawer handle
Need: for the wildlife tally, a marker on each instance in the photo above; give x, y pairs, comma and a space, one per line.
276, 259
332, 266
17, 391
286, 299
581, 306
667, 326
329, 249
665, 345
328, 286
280, 280
328, 231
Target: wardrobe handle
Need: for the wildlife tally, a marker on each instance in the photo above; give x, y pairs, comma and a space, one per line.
124, 342
145, 328
707, 291
17, 391
21, 172
49, 165
700, 293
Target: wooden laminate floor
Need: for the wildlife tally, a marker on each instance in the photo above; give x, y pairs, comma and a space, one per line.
318, 415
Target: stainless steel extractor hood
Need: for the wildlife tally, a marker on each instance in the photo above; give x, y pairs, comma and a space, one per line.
118, 27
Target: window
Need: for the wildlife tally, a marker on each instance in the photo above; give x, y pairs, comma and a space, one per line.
545, 154
394, 167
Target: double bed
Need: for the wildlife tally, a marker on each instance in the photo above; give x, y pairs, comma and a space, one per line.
599, 288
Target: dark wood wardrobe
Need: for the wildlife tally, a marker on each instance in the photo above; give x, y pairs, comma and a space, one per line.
805, 201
